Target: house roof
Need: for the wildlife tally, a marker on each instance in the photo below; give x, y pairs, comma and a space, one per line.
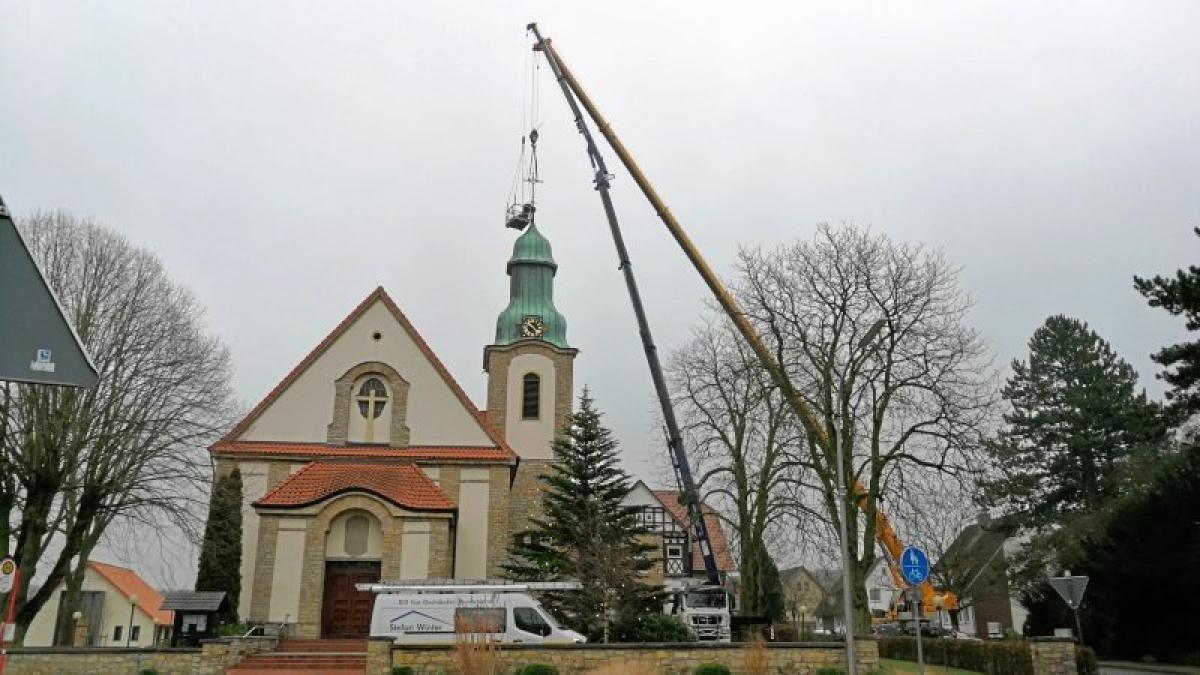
404, 485
438, 453
716, 534
196, 601
972, 550
129, 584
377, 295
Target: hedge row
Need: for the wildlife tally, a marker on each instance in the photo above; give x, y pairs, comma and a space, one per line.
1008, 657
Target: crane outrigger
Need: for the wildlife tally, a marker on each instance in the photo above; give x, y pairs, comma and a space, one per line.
885, 534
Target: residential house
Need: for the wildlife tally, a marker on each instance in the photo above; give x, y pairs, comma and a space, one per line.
803, 595
881, 591
682, 563
117, 608
975, 567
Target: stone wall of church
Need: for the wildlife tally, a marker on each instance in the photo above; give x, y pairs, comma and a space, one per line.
525, 497
498, 534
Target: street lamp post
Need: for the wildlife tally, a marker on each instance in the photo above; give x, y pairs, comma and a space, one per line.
838, 440
133, 601
803, 628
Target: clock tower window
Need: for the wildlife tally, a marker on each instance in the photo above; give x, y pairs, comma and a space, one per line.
531, 397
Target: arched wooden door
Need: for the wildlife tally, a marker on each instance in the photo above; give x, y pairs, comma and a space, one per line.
345, 610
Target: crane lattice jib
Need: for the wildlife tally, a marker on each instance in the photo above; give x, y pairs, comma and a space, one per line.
884, 533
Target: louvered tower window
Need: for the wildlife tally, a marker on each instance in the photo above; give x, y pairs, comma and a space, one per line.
531, 397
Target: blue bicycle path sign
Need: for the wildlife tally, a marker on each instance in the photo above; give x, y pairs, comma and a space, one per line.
914, 565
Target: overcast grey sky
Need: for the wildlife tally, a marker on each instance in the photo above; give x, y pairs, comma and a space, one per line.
284, 158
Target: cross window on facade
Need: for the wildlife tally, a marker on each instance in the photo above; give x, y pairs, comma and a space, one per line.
372, 397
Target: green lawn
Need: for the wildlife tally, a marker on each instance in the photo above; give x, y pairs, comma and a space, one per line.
894, 667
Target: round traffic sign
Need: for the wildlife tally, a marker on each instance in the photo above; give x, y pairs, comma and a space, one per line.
8, 572
914, 565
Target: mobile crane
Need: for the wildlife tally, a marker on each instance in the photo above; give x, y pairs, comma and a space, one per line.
575, 95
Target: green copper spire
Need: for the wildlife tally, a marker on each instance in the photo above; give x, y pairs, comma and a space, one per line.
530, 313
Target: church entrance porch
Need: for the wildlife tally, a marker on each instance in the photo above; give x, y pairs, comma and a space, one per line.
345, 610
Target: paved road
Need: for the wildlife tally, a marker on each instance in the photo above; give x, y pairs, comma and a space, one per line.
1129, 668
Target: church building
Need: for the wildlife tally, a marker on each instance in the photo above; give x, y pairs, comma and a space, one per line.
369, 462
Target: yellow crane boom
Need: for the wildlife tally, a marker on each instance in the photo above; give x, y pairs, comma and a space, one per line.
885, 534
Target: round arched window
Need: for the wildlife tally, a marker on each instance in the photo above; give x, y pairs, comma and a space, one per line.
372, 397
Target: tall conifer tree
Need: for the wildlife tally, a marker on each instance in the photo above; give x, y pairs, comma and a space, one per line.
1075, 426
587, 533
220, 567
1179, 295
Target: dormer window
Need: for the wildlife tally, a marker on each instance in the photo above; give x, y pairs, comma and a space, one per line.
531, 397
372, 397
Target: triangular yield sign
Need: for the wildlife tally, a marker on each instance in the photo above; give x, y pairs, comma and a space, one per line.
37, 343
1070, 588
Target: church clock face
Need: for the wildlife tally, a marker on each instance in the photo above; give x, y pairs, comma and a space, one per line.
532, 327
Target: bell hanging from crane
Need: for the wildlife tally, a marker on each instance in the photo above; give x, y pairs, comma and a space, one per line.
520, 211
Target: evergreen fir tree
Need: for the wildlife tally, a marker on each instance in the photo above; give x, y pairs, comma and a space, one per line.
1178, 295
1075, 428
586, 533
220, 567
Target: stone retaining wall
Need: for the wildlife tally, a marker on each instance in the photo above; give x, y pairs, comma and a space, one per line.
211, 659
1053, 656
794, 658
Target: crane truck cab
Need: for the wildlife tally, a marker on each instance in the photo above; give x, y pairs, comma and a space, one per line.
704, 609
435, 613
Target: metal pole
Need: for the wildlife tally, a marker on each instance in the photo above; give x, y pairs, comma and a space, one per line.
1078, 627
847, 603
916, 611
129, 628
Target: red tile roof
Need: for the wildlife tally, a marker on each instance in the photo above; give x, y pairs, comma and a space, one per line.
402, 484
716, 534
483, 453
130, 585
381, 295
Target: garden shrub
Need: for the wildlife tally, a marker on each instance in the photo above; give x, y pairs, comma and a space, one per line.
537, 669
403, 670
999, 658
829, 671
651, 628
711, 669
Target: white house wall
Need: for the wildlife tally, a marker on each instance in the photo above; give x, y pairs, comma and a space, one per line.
116, 613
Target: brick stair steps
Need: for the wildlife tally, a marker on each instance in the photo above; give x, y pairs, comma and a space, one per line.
307, 657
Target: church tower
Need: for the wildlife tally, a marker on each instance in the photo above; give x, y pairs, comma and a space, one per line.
530, 370
530, 365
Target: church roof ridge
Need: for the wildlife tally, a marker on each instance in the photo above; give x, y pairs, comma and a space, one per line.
380, 295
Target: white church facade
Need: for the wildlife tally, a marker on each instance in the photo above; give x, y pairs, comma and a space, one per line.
369, 462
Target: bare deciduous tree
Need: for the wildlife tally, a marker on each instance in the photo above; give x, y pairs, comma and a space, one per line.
131, 449
917, 396
739, 429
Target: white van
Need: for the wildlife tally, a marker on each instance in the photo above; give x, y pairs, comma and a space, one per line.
428, 614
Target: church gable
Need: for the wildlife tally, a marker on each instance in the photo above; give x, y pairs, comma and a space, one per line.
372, 380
